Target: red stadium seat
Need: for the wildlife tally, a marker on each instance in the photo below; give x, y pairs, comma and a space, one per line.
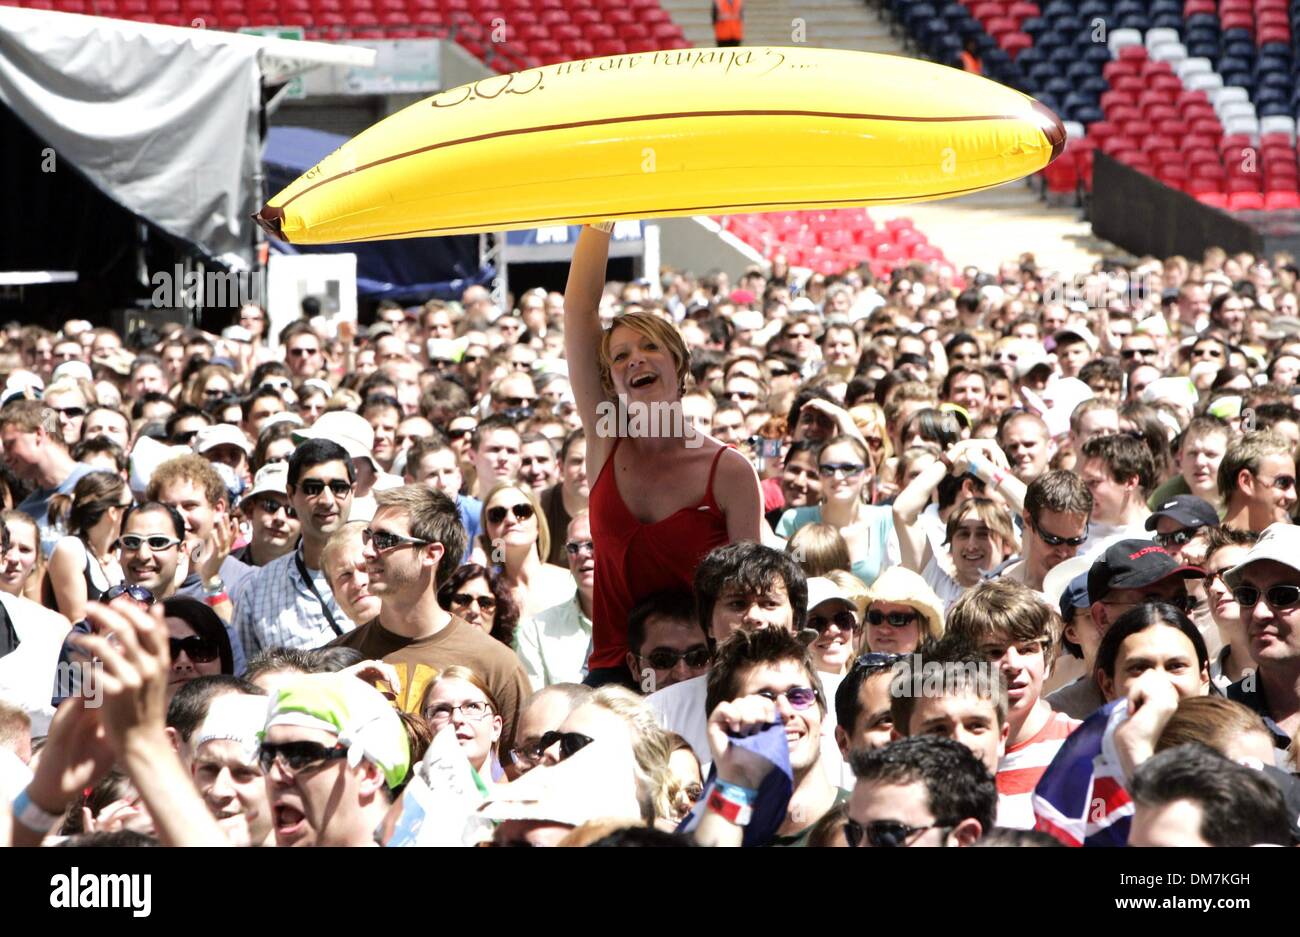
630, 31
1015, 43
1115, 97
1136, 54
579, 49
1281, 201
1245, 201
606, 47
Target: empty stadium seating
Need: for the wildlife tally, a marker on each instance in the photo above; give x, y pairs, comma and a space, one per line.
506, 34
829, 242
1201, 94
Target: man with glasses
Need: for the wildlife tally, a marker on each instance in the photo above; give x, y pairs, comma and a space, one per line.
273, 520
67, 400
745, 392
288, 602
544, 712
514, 396
1180, 523
411, 547
1138, 349
761, 677
665, 642
1257, 481
1057, 508
1266, 587
332, 751
553, 646
922, 791
302, 351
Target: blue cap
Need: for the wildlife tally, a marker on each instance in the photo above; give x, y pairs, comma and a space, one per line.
1074, 597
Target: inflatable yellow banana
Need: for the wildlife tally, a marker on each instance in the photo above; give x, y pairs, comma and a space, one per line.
696, 131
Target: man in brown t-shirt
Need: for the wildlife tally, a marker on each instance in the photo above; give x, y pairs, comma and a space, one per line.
410, 548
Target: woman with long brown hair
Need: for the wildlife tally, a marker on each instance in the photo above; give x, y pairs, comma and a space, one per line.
84, 564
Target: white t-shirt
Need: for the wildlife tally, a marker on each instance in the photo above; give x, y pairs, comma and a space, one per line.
680, 708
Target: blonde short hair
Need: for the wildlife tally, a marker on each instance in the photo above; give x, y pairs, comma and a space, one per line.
653, 328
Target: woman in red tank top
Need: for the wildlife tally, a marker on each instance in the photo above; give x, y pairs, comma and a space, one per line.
664, 495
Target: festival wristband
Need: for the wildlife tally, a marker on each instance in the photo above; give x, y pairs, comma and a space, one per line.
214, 600
606, 226
733, 812
33, 817
741, 795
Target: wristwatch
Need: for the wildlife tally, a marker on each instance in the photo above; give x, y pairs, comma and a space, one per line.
216, 587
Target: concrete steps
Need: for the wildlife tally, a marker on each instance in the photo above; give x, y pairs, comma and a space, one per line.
997, 225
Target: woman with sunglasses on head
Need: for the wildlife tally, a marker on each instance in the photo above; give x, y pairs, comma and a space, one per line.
515, 539
660, 499
22, 567
843, 463
200, 645
459, 700
85, 564
476, 594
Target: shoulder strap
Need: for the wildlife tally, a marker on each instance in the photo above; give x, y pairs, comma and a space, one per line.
306, 577
713, 471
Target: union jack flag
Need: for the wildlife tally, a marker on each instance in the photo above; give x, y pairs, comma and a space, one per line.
1081, 798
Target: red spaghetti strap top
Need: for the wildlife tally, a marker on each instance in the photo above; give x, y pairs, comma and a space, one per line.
635, 560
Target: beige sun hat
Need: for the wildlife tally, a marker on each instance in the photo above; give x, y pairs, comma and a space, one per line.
901, 586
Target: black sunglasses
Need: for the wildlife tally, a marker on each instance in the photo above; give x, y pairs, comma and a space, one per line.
138, 593
1177, 538
895, 619
460, 433
1052, 540
270, 506
570, 742
883, 834
1278, 597
521, 511
199, 650
70, 412
313, 487
384, 540
297, 755
463, 599
665, 658
844, 619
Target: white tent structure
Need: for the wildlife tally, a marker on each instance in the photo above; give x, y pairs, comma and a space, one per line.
164, 120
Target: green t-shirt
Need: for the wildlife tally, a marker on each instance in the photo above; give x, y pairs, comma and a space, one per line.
801, 838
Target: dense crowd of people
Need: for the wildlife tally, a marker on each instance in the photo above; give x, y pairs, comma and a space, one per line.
795, 560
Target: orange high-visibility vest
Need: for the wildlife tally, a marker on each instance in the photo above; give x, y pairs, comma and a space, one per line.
728, 23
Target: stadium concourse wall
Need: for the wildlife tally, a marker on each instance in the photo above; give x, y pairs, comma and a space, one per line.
1145, 217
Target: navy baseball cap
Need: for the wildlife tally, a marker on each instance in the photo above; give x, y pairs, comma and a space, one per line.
1074, 597
1134, 564
1186, 511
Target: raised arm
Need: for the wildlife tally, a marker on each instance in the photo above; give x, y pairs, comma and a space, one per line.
582, 334
913, 544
